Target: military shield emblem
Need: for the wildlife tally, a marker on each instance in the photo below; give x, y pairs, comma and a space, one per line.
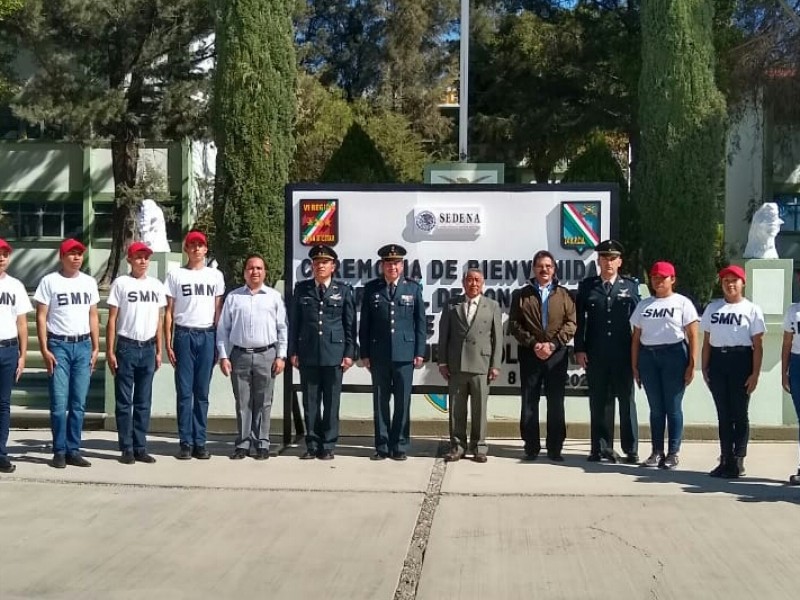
319, 222
580, 225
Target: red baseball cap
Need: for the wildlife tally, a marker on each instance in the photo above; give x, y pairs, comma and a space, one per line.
138, 247
4, 245
195, 236
70, 245
733, 270
662, 269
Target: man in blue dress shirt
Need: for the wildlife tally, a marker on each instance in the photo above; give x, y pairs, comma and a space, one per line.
392, 337
252, 344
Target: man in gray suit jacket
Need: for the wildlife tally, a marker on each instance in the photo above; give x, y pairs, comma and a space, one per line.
470, 351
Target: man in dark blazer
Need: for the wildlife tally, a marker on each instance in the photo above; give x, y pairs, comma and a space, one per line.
392, 336
470, 351
603, 347
542, 319
322, 344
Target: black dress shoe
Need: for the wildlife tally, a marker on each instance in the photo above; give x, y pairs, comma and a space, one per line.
76, 460
185, 452
261, 454
309, 455
452, 456
631, 458
201, 453
594, 457
399, 456
126, 458
530, 456
239, 454
59, 461
143, 457
610, 455
326, 455
379, 456
555, 456
480, 458
6, 466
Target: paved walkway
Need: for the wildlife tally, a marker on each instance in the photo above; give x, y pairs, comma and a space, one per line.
353, 528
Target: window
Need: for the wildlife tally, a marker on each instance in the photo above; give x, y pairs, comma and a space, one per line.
789, 207
34, 220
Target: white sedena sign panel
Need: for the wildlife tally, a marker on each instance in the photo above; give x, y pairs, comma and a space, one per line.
446, 230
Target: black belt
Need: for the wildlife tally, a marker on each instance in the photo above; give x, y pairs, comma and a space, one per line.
663, 346
195, 328
258, 350
9, 342
132, 342
727, 349
68, 338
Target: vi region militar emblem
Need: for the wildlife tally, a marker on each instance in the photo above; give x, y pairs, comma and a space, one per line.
319, 222
580, 225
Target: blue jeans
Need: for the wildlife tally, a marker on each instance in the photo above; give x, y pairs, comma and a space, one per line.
794, 381
194, 356
133, 389
661, 370
9, 355
69, 386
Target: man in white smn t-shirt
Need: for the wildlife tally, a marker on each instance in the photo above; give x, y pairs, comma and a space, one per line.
194, 301
14, 305
68, 328
133, 342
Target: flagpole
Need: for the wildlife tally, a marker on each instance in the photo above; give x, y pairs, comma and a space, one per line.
463, 93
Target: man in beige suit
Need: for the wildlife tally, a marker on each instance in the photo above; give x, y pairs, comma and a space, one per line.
470, 350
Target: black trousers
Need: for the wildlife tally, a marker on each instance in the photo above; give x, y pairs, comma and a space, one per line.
551, 375
727, 372
322, 391
608, 380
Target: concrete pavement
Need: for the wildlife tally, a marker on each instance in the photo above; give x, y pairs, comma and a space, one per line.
353, 528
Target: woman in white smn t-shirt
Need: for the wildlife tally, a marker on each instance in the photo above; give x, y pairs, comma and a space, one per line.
733, 328
663, 348
790, 363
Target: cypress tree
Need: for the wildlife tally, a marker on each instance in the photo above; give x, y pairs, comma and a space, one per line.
357, 160
253, 113
682, 116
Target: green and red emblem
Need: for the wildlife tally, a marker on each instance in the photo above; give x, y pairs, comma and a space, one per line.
319, 222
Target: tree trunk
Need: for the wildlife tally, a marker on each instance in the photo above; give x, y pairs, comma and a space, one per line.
124, 160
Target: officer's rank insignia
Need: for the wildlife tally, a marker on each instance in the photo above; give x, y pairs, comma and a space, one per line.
319, 222
336, 296
624, 293
580, 225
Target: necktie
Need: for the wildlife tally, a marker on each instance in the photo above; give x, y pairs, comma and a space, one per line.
321, 290
392, 290
607, 287
471, 306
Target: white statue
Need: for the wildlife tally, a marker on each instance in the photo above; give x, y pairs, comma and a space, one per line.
152, 227
765, 226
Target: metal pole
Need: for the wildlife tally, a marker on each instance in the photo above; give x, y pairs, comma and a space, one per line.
463, 114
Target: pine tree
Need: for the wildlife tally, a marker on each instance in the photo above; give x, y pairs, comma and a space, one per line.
357, 160
682, 114
253, 113
117, 70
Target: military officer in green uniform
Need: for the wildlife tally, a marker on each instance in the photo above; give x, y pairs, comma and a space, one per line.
392, 336
603, 347
322, 345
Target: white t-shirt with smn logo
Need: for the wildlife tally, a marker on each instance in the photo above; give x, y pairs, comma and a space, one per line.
14, 302
195, 293
732, 323
662, 320
791, 324
68, 300
139, 302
